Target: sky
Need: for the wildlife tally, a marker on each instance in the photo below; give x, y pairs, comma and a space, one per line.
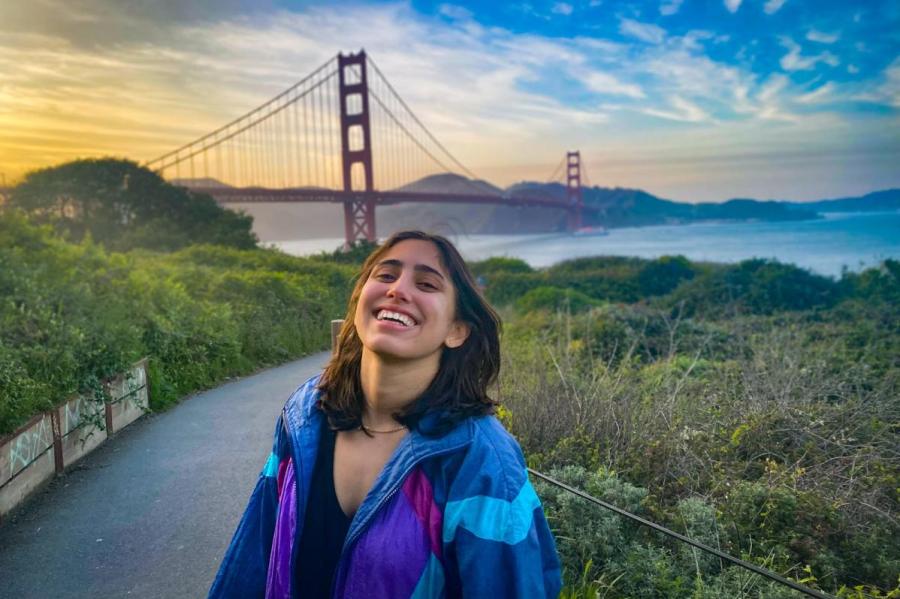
691, 100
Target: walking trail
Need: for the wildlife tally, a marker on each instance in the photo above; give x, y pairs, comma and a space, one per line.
151, 512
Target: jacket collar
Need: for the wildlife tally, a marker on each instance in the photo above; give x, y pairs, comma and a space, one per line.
303, 422
302, 414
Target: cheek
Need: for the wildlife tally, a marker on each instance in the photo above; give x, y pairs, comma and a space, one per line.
363, 305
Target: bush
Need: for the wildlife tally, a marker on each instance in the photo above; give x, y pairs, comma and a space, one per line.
554, 298
72, 315
123, 206
754, 286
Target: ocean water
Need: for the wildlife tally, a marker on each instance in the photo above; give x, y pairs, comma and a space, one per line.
826, 246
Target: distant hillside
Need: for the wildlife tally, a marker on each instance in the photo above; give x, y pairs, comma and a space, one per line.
450, 183
613, 207
473, 219
618, 207
206, 182
877, 201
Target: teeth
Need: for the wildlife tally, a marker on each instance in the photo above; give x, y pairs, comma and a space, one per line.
401, 318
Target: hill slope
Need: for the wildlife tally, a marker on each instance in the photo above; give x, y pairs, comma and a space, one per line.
609, 207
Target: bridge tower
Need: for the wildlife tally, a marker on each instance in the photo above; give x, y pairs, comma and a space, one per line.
356, 146
574, 196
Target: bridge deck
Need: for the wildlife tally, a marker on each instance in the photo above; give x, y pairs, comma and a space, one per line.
248, 195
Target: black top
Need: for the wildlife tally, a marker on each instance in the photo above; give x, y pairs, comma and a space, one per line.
324, 526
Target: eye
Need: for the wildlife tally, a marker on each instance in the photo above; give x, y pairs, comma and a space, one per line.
428, 285
383, 276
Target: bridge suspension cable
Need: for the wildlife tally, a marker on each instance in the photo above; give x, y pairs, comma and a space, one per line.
323, 140
287, 141
556, 175
418, 122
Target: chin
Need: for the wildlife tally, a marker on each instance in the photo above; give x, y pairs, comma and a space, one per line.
392, 350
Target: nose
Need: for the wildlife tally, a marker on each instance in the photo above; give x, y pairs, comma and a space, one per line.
399, 288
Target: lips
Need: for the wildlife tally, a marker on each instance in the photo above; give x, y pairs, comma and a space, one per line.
394, 315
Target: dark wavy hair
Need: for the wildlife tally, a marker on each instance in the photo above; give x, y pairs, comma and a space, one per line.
458, 390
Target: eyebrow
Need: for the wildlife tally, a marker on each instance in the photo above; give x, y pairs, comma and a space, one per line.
417, 267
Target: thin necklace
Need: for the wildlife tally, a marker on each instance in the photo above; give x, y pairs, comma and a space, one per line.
366, 429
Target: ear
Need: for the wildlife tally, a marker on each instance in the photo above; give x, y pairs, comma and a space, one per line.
459, 332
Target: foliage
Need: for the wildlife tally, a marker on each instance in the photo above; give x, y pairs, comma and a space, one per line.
751, 406
72, 314
663, 275
355, 254
754, 286
554, 298
499, 264
123, 206
762, 423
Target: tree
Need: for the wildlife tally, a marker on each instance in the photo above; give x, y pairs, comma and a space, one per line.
123, 205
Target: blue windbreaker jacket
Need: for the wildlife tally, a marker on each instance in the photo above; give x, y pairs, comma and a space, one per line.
452, 516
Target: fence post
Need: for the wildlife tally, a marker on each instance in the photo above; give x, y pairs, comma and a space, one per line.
335, 332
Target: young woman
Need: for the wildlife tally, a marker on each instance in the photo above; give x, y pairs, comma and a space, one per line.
389, 478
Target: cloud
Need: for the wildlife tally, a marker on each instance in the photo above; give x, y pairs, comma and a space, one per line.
885, 91
670, 7
455, 12
604, 83
794, 61
562, 8
773, 6
496, 98
645, 32
732, 5
684, 111
818, 95
821, 37
852, 69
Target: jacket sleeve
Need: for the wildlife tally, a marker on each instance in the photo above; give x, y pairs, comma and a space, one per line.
496, 536
243, 570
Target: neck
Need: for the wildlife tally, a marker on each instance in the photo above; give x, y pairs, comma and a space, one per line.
389, 386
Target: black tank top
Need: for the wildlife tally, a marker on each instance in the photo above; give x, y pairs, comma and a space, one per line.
324, 526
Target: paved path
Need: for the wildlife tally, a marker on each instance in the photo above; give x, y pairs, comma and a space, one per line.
150, 513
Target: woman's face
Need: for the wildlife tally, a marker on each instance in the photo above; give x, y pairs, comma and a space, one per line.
407, 307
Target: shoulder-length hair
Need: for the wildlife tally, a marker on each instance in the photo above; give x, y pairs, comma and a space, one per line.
458, 390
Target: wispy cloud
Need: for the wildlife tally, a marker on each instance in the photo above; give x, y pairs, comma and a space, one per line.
562, 8
681, 110
821, 94
670, 7
821, 37
646, 32
773, 6
606, 84
795, 61
886, 90
732, 5
455, 12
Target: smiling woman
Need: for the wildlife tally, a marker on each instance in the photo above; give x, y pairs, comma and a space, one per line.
389, 476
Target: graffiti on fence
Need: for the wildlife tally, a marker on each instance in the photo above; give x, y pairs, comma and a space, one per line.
29, 445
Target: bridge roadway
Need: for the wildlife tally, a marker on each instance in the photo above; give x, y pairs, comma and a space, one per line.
150, 513
246, 195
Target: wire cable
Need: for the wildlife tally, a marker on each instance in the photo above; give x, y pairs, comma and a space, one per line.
721, 554
425, 129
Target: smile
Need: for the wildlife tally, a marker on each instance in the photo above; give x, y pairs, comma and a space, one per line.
403, 319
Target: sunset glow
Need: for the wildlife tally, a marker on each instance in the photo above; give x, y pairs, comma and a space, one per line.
689, 100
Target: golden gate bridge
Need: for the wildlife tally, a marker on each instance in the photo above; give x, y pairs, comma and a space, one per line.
318, 141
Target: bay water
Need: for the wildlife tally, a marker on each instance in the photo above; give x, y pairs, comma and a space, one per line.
825, 246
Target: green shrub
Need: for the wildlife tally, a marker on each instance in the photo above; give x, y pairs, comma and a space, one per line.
754, 286
72, 315
554, 298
